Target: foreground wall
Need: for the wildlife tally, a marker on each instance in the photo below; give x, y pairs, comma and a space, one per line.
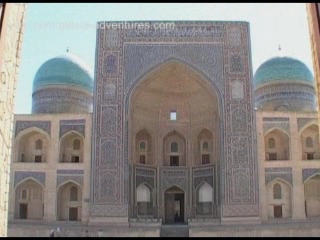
314, 21
11, 32
274, 229
19, 229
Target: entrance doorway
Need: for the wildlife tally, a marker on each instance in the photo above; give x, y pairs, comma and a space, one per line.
23, 211
174, 160
174, 206
277, 211
73, 214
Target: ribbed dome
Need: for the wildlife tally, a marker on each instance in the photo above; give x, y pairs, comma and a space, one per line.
284, 84
67, 69
282, 69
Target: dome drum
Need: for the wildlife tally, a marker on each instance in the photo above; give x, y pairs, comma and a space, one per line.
63, 84
284, 84
65, 101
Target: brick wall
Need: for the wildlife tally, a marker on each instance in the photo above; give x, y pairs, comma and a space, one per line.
12, 17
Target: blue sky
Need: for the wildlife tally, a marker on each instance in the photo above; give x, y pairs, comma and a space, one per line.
45, 37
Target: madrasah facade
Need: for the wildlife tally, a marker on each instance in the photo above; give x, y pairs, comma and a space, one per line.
172, 132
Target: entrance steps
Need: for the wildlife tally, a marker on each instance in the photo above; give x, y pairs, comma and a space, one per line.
174, 230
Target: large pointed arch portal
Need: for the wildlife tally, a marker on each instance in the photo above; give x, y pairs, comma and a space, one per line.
207, 60
172, 87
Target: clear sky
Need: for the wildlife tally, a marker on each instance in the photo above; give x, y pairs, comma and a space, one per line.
45, 37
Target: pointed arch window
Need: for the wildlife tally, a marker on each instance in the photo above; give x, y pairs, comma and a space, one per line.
174, 147
144, 200
205, 193
73, 193
205, 156
142, 149
309, 142
24, 194
76, 144
174, 159
277, 193
173, 115
143, 193
38, 144
205, 146
271, 143
142, 146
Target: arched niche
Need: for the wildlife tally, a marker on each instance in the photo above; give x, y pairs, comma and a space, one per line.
310, 143
279, 197
172, 87
143, 148
174, 149
33, 146
174, 203
144, 199
204, 200
281, 108
69, 202
174, 102
277, 145
205, 153
29, 200
312, 196
71, 148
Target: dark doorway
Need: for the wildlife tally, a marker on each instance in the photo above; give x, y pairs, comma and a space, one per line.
73, 214
23, 213
174, 206
37, 158
75, 159
277, 211
174, 160
179, 207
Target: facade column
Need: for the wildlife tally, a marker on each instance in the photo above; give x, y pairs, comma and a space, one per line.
261, 167
86, 163
50, 195
298, 206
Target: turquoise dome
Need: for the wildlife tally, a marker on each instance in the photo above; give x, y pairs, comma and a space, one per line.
67, 69
283, 68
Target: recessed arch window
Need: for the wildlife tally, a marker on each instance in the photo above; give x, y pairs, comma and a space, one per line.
143, 193
142, 145
309, 142
24, 194
76, 144
205, 146
73, 193
38, 144
277, 194
28, 200
272, 143
173, 115
174, 147
144, 200
205, 193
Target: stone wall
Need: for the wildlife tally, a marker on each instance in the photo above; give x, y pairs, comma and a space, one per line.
292, 173
11, 33
52, 173
314, 21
